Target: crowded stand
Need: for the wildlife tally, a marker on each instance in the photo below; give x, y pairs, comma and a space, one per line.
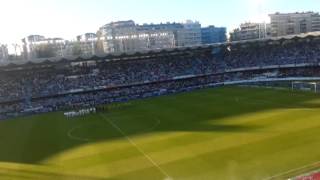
75, 84
294, 51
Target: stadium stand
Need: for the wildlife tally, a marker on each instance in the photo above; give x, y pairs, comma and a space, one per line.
52, 85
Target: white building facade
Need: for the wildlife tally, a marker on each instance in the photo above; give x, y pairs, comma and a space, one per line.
249, 31
190, 35
185, 34
283, 24
126, 36
37, 46
87, 44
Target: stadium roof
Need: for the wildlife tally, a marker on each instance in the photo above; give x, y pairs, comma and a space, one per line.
149, 53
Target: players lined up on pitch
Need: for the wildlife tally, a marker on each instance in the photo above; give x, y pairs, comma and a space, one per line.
81, 112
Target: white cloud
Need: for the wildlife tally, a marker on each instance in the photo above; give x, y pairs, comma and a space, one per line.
20, 18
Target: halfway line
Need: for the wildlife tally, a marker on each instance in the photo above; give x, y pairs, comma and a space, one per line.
136, 146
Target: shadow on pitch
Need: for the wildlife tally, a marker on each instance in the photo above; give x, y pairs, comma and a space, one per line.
201, 111
35, 174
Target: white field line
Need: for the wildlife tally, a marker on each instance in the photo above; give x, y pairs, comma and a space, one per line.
292, 170
154, 126
71, 136
137, 147
259, 102
250, 101
78, 138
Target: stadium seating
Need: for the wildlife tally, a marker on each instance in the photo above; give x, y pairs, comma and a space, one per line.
32, 88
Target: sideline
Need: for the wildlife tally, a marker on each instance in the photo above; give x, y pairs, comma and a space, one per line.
292, 170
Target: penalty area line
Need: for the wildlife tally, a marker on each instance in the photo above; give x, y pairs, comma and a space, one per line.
137, 147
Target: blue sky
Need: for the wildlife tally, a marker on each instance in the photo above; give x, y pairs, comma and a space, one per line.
68, 18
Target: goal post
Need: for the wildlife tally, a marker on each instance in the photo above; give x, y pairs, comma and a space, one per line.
305, 86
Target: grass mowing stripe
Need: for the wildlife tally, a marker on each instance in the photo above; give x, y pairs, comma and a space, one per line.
136, 146
222, 133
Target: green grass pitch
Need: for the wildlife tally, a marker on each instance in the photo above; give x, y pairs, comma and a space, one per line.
223, 133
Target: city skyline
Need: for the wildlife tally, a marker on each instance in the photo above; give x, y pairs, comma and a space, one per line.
67, 19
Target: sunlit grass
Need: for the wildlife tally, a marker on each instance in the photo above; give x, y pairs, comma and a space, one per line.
223, 133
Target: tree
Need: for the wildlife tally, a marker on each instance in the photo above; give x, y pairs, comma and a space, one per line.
45, 51
76, 50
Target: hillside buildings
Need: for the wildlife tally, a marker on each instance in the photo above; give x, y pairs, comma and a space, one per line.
85, 45
37, 46
212, 34
126, 36
283, 24
249, 31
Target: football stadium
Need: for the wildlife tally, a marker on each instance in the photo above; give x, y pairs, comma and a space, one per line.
242, 110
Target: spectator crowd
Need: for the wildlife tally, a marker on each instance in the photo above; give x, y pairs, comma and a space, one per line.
92, 83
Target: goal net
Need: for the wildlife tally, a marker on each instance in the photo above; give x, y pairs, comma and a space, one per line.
306, 86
